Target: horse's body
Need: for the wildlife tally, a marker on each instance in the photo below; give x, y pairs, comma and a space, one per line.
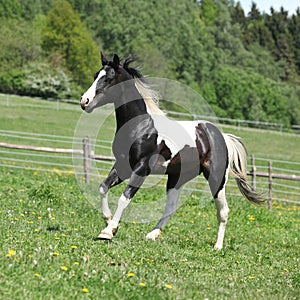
147, 142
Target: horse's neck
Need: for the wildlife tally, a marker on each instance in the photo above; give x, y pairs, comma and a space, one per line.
130, 110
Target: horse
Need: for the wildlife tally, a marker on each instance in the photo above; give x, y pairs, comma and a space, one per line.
141, 148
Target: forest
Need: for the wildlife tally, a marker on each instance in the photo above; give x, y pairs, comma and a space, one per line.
246, 66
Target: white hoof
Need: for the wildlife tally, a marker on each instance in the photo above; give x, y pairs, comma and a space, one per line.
218, 247
110, 230
153, 235
105, 235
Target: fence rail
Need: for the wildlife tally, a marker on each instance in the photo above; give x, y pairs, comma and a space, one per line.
276, 190
8, 100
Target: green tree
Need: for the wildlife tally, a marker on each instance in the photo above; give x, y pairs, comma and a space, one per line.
19, 43
67, 42
208, 11
278, 26
294, 29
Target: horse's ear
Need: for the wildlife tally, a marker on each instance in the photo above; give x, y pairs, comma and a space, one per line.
116, 61
103, 60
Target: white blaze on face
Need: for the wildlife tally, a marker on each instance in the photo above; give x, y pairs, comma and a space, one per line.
89, 95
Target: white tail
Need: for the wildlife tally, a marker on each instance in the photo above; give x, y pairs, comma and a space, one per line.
238, 168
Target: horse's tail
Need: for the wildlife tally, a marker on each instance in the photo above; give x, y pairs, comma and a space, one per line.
238, 168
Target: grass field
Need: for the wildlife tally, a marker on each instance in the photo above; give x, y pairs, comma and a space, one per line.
48, 228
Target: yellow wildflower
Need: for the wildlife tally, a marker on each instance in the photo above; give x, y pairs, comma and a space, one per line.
130, 274
57, 171
85, 290
37, 275
251, 218
10, 253
64, 268
142, 284
74, 247
168, 286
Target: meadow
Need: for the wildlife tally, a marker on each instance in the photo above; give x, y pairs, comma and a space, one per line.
48, 228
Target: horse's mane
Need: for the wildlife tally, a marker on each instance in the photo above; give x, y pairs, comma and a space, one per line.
149, 95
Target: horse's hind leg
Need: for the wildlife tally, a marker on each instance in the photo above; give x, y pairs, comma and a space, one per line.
222, 214
171, 208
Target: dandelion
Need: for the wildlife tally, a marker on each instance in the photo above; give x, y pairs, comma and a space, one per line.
76, 263
142, 284
11, 253
64, 268
57, 171
55, 253
251, 277
130, 274
168, 286
85, 290
74, 247
251, 218
37, 275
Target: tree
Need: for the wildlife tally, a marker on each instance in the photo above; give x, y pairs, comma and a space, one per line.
19, 43
208, 12
294, 29
278, 26
67, 42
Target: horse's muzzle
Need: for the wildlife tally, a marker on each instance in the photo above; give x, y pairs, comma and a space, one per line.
84, 102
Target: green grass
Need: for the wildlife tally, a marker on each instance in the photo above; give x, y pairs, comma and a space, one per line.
48, 228
44, 215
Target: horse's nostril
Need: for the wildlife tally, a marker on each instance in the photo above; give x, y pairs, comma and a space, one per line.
87, 101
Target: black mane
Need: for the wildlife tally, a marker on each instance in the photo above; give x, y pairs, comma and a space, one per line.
134, 72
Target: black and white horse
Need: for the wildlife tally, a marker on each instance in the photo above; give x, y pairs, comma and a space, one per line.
141, 147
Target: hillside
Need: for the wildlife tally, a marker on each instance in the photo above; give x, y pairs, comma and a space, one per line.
245, 66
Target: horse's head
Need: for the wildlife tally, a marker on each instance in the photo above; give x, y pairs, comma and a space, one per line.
99, 92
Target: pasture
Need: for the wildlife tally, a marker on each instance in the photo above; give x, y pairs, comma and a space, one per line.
48, 228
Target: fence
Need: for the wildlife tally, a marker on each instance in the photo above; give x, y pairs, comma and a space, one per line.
5, 99
279, 183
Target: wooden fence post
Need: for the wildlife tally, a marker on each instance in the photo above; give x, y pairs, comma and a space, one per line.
87, 159
270, 206
253, 171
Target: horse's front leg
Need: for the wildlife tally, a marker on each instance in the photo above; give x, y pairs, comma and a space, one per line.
136, 180
111, 180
